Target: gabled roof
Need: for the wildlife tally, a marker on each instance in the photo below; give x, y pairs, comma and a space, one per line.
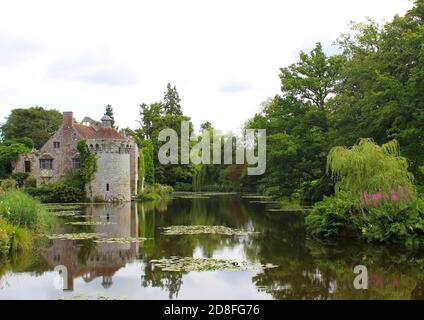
88, 132
108, 133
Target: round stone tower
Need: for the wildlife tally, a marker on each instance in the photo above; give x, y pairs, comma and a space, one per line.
112, 181
116, 175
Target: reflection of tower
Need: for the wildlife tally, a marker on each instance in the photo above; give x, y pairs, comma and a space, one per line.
88, 259
107, 282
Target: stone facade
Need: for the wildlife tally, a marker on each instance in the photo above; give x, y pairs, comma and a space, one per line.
116, 178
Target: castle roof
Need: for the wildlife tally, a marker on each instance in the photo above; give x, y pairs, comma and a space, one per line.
88, 132
108, 133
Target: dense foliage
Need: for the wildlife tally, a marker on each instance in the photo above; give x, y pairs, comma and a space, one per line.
88, 164
371, 89
36, 123
9, 153
20, 215
375, 198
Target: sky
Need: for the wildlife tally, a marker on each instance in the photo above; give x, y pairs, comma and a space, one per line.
223, 56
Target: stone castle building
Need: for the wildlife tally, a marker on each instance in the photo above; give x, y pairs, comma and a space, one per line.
116, 177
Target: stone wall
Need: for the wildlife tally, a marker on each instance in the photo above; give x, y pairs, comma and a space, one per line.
113, 171
62, 156
117, 161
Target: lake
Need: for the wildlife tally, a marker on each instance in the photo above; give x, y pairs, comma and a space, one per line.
122, 268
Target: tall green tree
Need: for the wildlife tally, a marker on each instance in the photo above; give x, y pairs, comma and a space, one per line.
172, 101
313, 78
36, 123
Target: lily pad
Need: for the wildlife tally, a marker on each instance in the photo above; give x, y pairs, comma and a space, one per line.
62, 207
90, 223
198, 229
98, 296
189, 264
120, 240
67, 214
75, 236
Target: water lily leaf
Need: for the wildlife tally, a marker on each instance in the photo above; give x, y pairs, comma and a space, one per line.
199, 229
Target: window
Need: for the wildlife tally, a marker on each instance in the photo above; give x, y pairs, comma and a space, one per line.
56, 145
27, 166
76, 163
46, 164
107, 187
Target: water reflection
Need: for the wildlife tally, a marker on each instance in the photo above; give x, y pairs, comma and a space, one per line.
307, 269
88, 259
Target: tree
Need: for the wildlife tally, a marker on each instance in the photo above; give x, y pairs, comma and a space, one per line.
109, 112
148, 156
171, 101
368, 168
148, 115
314, 78
36, 123
206, 125
9, 155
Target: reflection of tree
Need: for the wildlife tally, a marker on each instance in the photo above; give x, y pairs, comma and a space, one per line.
227, 211
313, 270
170, 281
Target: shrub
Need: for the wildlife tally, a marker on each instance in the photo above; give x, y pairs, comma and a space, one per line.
155, 192
182, 186
19, 238
31, 182
20, 178
19, 209
4, 241
69, 189
8, 184
397, 223
64, 193
330, 217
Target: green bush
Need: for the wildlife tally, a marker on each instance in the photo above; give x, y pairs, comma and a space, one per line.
4, 241
7, 184
182, 186
20, 178
67, 190
20, 209
330, 217
400, 224
340, 215
155, 192
19, 238
31, 182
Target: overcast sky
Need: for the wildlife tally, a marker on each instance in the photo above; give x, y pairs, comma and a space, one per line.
223, 55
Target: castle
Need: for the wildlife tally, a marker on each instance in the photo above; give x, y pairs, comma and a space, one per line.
116, 177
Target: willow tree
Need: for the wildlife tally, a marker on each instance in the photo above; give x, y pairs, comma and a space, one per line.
370, 169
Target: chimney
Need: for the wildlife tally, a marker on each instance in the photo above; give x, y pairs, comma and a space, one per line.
68, 119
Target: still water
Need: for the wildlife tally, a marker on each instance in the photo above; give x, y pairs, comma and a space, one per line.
307, 269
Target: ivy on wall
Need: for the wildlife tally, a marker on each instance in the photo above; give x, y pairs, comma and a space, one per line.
88, 163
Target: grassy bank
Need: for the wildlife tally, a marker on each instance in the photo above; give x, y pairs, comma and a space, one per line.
21, 217
155, 192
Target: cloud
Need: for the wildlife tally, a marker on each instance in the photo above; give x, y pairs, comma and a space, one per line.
15, 49
99, 69
233, 86
83, 55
